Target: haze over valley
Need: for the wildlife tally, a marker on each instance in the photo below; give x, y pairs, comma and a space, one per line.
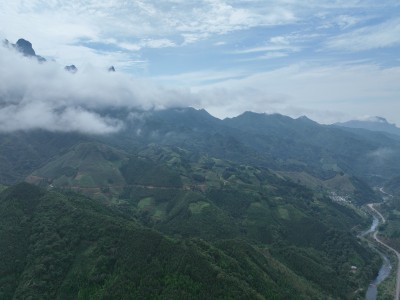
208, 150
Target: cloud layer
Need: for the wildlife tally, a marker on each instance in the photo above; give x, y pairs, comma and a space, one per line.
120, 32
331, 60
45, 96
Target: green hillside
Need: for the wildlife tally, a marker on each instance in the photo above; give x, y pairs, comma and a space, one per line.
91, 168
257, 207
296, 225
65, 246
349, 189
274, 141
218, 213
23, 152
393, 186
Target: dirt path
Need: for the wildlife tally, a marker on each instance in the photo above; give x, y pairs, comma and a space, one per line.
371, 206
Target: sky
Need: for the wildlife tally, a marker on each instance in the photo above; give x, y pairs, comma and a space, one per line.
329, 60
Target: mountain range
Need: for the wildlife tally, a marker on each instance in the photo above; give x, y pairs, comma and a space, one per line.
256, 188
374, 124
179, 204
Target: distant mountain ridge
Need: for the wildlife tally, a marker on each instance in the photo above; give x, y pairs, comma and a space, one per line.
274, 141
373, 124
182, 205
25, 48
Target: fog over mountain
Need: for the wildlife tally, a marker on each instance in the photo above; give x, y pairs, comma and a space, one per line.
200, 149
44, 96
373, 124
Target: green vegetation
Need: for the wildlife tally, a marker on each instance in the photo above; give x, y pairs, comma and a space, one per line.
194, 208
251, 234
390, 234
393, 186
23, 152
85, 165
355, 190
301, 228
391, 230
71, 247
2, 187
387, 288
142, 171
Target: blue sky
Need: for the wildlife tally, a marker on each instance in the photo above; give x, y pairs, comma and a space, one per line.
329, 60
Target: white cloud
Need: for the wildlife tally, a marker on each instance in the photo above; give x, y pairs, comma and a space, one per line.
282, 44
382, 35
45, 96
112, 32
40, 115
266, 48
265, 56
146, 43
59, 29
346, 21
157, 43
199, 78
382, 154
327, 94
51, 25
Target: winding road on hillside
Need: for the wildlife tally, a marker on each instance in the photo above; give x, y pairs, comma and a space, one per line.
375, 236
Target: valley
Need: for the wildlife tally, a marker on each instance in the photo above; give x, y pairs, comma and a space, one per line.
273, 227
200, 150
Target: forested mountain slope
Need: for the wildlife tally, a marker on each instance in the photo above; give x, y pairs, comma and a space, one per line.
65, 246
178, 194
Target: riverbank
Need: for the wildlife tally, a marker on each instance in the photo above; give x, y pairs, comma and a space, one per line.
384, 271
382, 220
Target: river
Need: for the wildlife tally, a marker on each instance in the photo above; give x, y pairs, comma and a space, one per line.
386, 268
384, 272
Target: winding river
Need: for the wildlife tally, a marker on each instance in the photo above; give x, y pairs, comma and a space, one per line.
384, 271
386, 267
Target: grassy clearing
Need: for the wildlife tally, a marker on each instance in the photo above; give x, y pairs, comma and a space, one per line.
283, 213
146, 203
2, 187
197, 207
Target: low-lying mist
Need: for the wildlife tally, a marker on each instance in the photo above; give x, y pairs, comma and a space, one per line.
44, 96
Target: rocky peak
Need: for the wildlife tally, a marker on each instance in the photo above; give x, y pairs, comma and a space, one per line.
25, 47
72, 69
